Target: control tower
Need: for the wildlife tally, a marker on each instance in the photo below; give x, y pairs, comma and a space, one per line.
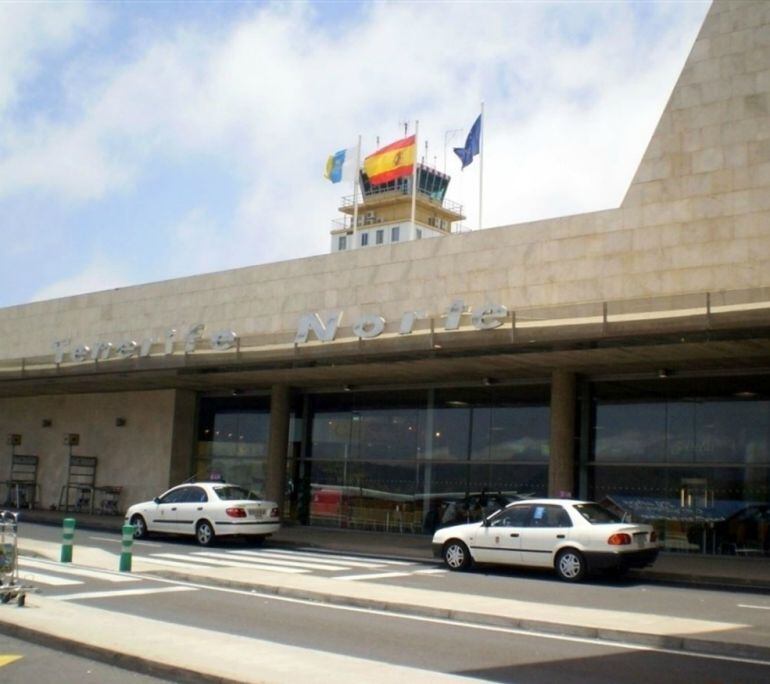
385, 212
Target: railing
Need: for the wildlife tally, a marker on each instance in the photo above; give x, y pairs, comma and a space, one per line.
447, 204
745, 308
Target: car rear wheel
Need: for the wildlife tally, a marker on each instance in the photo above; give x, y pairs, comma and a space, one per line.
570, 565
204, 533
140, 527
456, 555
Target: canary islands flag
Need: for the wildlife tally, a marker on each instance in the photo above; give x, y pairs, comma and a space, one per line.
391, 162
339, 166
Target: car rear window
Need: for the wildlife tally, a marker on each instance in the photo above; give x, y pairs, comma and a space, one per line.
596, 514
232, 493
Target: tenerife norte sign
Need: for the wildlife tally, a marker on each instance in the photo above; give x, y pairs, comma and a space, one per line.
324, 329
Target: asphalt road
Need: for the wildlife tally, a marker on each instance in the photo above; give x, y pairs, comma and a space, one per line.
21, 661
494, 654
742, 607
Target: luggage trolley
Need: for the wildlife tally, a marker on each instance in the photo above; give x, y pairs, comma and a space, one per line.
10, 585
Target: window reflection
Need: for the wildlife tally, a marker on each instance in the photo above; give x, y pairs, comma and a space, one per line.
414, 460
232, 440
698, 469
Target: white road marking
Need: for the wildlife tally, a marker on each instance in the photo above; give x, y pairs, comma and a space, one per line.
83, 572
258, 560
228, 564
319, 559
120, 593
431, 571
169, 563
469, 625
376, 575
748, 605
118, 540
42, 578
337, 557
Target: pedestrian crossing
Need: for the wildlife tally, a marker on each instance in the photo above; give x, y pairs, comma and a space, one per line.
342, 567
54, 574
301, 561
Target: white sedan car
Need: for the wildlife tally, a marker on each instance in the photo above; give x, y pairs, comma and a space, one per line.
573, 537
206, 510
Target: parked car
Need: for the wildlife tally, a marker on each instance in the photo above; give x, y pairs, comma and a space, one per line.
206, 510
573, 537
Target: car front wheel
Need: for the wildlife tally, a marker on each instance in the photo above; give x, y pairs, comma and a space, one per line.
456, 555
570, 565
140, 527
204, 533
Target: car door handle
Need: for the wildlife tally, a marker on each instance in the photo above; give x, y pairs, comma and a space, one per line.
514, 534
560, 536
200, 508
173, 508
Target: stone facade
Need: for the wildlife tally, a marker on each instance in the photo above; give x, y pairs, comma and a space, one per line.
694, 220
134, 456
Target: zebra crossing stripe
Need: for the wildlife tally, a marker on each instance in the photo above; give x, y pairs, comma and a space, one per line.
337, 557
321, 560
167, 563
377, 575
257, 560
229, 564
82, 572
432, 571
42, 578
120, 593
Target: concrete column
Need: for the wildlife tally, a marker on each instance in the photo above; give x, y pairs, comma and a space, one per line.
561, 469
278, 444
181, 459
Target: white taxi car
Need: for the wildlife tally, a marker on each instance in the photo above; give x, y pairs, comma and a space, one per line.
206, 510
573, 537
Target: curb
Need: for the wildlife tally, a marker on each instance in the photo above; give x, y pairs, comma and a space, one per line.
618, 636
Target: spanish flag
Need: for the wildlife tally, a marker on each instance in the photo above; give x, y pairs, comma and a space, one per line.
391, 162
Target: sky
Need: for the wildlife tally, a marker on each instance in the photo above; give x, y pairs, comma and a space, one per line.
143, 141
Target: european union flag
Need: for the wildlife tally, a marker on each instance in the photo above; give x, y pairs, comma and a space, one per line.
472, 144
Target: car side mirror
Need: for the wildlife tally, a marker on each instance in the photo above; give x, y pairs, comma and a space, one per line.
485, 522
157, 499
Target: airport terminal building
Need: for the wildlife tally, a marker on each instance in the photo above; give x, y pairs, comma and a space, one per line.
622, 355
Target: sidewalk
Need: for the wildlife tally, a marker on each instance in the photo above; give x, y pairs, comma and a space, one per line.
50, 621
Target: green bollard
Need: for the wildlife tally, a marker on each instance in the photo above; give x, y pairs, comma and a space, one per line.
126, 544
68, 536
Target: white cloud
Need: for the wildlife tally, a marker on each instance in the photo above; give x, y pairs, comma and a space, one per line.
270, 96
27, 32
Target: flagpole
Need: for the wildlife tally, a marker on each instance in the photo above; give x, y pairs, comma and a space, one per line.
481, 165
414, 178
356, 176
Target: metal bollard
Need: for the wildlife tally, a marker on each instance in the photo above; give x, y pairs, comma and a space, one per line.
126, 544
68, 536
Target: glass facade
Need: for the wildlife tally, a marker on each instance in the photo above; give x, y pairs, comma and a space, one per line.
411, 461
694, 464
698, 468
232, 440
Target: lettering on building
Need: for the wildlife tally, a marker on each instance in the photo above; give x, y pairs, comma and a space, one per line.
310, 326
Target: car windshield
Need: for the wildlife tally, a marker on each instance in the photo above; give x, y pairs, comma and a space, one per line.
596, 514
233, 493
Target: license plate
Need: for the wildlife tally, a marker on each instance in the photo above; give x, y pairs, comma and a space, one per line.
640, 538
257, 512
